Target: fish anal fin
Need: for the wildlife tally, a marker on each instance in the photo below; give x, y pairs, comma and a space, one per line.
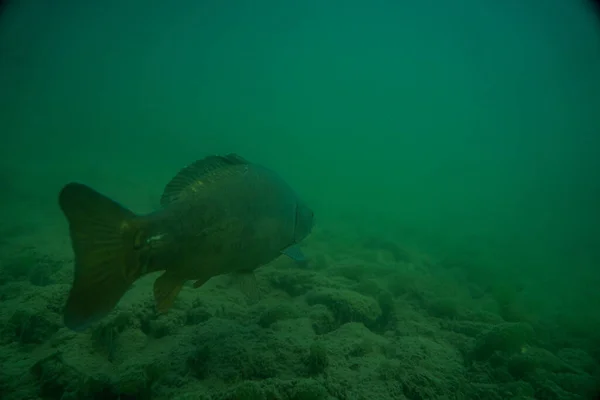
193, 177
166, 288
106, 264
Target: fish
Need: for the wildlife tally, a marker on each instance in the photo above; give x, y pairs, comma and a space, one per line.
219, 215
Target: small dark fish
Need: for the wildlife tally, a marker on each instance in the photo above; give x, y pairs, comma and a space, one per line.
220, 215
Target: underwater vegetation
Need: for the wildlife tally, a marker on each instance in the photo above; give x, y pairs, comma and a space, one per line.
369, 320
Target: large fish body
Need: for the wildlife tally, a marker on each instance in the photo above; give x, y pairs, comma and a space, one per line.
219, 215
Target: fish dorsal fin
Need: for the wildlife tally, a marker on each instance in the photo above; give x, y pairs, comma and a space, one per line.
195, 175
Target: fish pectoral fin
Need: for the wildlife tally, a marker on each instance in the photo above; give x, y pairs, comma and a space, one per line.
166, 288
247, 284
295, 254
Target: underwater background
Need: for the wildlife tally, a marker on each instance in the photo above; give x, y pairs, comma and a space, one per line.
450, 151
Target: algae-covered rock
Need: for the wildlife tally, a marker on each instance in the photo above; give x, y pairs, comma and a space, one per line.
351, 271
354, 340
507, 338
467, 328
293, 282
299, 389
416, 382
546, 387
404, 282
29, 326
193, 396
579, 359
529, 359
317, 359
426, 369
106, 333
323, 320
581, 384
232, 362
517, 389
347, 305
231, 352
134, 381
369, 287
18, 264
309, 389
162, 325
485, 391
57, 379
398, 253
386, 303
245, 390
443, 307
276, 313
197, 314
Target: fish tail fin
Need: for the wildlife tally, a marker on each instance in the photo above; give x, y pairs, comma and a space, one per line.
103, 236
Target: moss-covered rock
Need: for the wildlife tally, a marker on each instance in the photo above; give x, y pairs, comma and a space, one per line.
486, 391
106, 333
225, 350
352, 271
404, 283
362, 348
135, 381
317, 359
546, 387
322, 319
294, 282
276, 313
398, 253
161, 325
59, 380
232, 362
386, 320
303, 389
579, 360
369, 287
510, 306
517, 389
580, 384
416, 383
197, 314
28, 264
529, 359
245, 390
507, 338
467, 328
347, 305
425, 368
443, 307
29, 326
